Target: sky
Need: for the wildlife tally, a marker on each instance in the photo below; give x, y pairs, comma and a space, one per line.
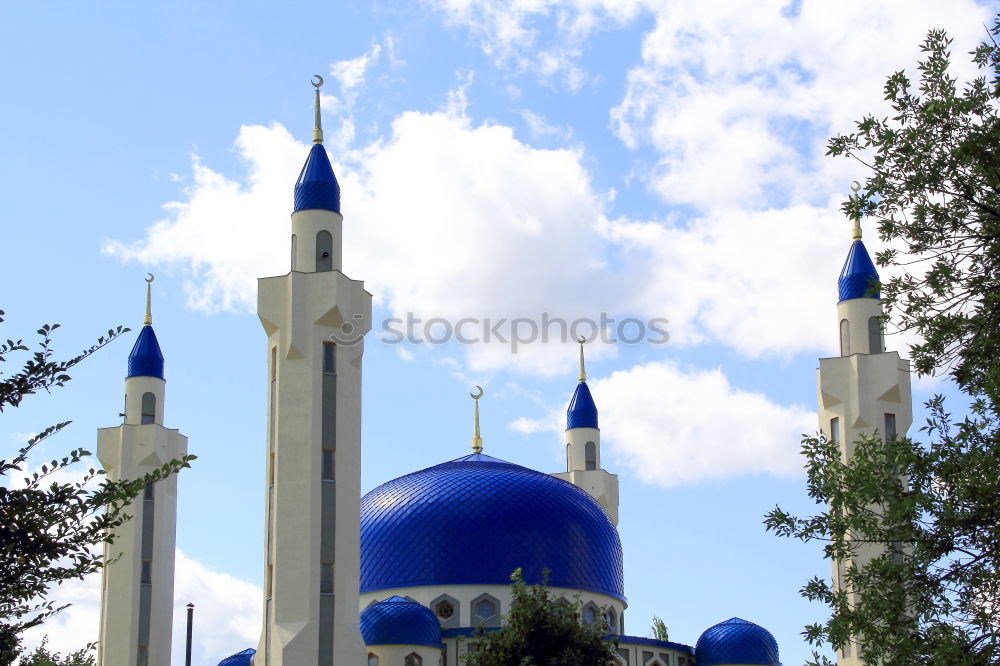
657, 168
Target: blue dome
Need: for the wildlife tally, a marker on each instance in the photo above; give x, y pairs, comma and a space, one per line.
317, 187
244, 658
400, 621
858, 274
736, 641
475, 519
582, 412
146, 359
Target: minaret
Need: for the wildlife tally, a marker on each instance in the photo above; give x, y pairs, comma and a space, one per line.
866, 389
583, 448
315, 318
137, 595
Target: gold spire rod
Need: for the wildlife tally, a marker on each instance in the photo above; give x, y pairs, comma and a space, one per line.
857, 218
477, 441
583, 371
317, 124
148, 319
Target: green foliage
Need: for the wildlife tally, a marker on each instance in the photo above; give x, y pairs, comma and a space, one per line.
42, 657
930, 512
50, 530
659, 629
542, 631
934, 186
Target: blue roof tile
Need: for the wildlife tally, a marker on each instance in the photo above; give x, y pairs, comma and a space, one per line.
475, 519
317, 187
400, 621
146, 359
244, 658
736, 641
858, 274
582, 412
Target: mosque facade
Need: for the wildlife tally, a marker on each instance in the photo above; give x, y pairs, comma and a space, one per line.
408, 574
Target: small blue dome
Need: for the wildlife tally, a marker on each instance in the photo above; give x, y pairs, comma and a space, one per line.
582, 412
476, 519
736, 641
400, 621
858, 274
244, 658
146, 359
317, 187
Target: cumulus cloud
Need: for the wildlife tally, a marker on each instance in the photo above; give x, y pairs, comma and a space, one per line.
227, 613
673, 426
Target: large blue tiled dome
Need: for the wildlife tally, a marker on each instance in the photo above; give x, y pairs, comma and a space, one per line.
858, 274
244, 658
475, 519
400, 621
146, 359
736, 641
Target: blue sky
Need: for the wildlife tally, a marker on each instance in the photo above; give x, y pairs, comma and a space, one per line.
497, 159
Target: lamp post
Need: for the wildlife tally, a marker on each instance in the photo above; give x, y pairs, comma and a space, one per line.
187, 653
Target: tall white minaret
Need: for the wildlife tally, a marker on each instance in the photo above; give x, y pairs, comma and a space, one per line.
137, 595
866, 389
583, 448
315, 318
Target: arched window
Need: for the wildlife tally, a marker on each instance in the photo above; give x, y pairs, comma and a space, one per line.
372, 659
148, 408
845, 337
324, 251
590, 455
295, 249
569, 463
413, 659
874, 335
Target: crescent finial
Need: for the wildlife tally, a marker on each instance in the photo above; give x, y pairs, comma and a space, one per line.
317, 81
581, 339
856, 235
856, 187
477, 397
150, 278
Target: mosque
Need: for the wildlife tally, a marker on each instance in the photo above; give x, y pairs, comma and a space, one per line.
406, 575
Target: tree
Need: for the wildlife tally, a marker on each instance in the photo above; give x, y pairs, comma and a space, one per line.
50, 530
659, 629
542, 631
935, 188
933, 508
41, 656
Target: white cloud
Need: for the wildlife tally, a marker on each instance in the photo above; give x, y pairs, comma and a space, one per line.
227, 613
351, 73
672, 426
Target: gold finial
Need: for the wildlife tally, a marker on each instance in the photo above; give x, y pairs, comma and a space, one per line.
148, 319
317, 82
477, 441
583, 371
857, 218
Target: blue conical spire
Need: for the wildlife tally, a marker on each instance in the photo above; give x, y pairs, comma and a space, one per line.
858, 274
317, 188
146, 359
582, 412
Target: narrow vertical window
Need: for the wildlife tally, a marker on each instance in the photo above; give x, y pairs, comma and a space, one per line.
845, 337
147, 494
372, 659
146, 574
274, 395
569, 462
590, 455
329, 358
328, 468
295, 249
875, 335
148, 408
270, 580
324, 251
890, 427
326, 578
413, 659
142, 656
835, 430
